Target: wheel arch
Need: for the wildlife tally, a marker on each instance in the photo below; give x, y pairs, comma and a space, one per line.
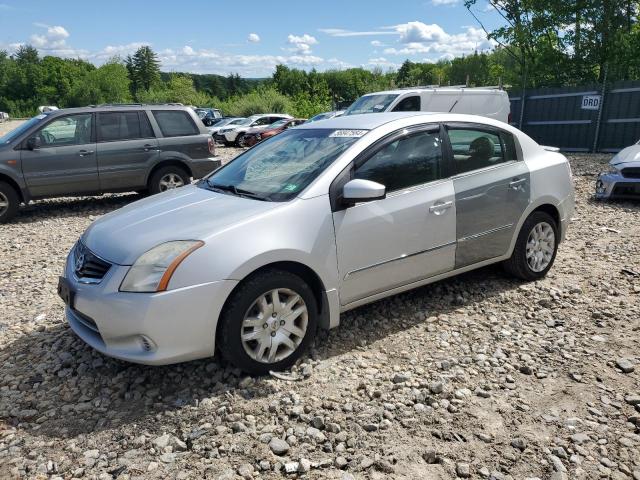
545, 204
166, 163
7, 179
307, 274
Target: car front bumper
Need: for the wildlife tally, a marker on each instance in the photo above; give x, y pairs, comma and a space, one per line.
149, 328
614, 185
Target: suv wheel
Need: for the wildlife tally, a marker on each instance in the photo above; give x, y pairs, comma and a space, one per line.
9, 201
535, 249
240, 140
168, 178
268, 322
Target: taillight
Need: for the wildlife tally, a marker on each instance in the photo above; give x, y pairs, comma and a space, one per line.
509, 118
212, 146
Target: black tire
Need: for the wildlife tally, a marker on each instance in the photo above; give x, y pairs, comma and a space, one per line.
230, 325
240, 140
517, 265
9, 196
154, 186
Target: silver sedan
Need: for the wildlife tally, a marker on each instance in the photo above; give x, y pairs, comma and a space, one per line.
308, 224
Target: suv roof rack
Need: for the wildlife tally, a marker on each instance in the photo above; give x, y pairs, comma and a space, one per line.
424, 87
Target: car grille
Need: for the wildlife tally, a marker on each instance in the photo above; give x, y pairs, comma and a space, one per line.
87, 265
631, 172
626, 190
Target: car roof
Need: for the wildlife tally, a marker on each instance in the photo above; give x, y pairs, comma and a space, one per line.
399, 91
115, 107
370, 121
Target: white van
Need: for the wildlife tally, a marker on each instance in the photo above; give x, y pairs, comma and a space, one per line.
485, 101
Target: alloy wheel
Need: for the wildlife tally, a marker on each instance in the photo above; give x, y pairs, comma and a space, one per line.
274, 326
4, 204
541, 245
170, 181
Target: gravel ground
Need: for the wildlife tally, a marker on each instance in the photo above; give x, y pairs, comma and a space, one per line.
474, 377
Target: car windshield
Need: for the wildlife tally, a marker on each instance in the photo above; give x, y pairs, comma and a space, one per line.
371, 104
279, 168
320, 116
21, 129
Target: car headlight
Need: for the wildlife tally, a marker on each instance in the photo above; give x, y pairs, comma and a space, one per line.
612, 170
154, 268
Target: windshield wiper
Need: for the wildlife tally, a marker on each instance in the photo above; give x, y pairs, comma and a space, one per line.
239, 191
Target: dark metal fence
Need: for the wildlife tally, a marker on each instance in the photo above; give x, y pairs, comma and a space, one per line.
587, 118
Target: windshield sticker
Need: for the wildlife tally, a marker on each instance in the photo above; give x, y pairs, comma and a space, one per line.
348, 133
290, 187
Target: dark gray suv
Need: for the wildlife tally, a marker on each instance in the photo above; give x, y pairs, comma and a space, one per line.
95, 150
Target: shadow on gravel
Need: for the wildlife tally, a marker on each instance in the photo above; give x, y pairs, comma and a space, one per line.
73, 207
55, 385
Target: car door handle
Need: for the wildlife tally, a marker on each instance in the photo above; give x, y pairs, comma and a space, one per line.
149, 148
439, 208
84, 153
516, 183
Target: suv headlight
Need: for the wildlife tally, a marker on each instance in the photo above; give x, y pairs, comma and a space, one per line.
612, 170
154, 268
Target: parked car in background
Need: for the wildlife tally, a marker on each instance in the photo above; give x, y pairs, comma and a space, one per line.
486, 101
4, 116
622, 179
47, 108
208, 115
322, 219
94, 150
223, 122
234, 134
326, 115
253, 137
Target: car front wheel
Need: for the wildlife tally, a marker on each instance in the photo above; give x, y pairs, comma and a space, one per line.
268, 322
9, 201
240, 141
535, 249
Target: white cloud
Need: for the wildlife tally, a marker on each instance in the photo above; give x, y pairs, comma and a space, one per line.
341, 32
381, 62
301, 44
444, 2
377, 43
417, 38
53, 38
253, 38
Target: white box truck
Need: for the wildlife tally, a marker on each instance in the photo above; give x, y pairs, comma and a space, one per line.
492, 102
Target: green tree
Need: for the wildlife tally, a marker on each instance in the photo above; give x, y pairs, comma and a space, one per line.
143, 69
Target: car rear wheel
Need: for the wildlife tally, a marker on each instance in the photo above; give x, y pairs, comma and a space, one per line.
240, 140
535, 249
268, 322
168, 178
9, 201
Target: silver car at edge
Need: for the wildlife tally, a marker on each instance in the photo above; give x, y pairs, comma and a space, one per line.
622, 179
308, 224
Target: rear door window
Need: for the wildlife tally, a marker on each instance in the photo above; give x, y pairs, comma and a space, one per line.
474, 149
119, 126
175, 123
409, 104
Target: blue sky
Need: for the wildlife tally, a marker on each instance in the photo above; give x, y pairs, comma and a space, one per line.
249, 37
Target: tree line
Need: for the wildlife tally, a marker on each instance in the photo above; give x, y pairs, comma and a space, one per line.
541, 43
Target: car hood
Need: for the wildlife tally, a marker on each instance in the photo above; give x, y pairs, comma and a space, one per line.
629, 155
187, 213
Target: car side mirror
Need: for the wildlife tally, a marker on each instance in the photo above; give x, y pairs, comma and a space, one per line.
360, 190
34, 143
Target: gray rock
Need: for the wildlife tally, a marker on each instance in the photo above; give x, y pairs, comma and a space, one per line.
245, 470
278, 446
400, 378
580, 438
463, 470
625, 365
436, 387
